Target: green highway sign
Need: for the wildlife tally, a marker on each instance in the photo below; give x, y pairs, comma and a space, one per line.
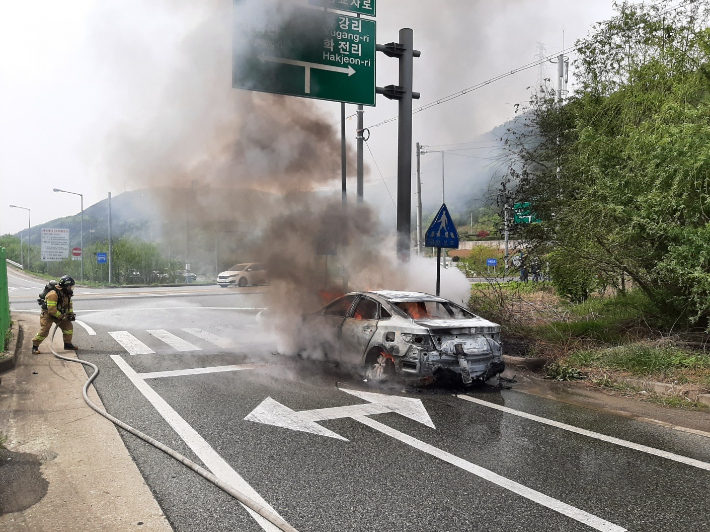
363, 7
305, 52
524, 214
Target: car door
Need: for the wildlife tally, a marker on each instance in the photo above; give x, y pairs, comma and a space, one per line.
329, 322
358, 328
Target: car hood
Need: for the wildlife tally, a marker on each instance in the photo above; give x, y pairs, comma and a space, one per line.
231, 272
479, 324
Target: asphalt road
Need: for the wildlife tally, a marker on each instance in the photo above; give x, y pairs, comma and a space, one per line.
329, 452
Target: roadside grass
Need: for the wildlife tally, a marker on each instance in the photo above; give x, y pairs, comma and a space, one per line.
603, 341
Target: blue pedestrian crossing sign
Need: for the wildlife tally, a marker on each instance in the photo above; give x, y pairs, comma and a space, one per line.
442, 232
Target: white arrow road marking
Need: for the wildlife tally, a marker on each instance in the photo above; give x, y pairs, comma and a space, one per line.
130, 343
588, 519
195, 371
89, 330
209, 457
308, 66
211, 338
271, 412
596, 435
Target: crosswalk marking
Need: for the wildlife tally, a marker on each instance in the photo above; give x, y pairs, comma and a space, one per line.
195, 371
211, 338
130, 343
173, 341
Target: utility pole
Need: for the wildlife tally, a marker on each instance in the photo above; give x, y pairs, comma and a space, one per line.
419, 200
110, 246
405, 52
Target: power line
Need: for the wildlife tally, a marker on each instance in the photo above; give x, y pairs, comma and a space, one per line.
380, 171
475, 87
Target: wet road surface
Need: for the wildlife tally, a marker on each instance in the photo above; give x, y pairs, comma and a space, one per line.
328, 451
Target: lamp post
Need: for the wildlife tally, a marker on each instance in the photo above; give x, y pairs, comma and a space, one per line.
29, 234
443, 168
81, 238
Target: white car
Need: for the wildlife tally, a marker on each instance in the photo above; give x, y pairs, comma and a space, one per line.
245, 274
411, 333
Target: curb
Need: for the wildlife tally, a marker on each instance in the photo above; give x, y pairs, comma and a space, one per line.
694, 393
532, 363
9, 363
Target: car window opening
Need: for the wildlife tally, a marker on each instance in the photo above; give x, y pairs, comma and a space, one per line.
431, 310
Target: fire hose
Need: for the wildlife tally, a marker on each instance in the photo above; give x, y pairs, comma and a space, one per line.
264, 512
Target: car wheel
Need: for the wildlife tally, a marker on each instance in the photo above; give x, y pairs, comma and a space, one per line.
380, 366
243, 282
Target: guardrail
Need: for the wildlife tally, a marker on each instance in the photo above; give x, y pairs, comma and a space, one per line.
15, 264
4, 300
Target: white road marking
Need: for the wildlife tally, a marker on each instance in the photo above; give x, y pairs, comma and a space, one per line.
130, 343
195, 371
588, 519
173, 341
209, 457
603, 437
85, 326
211, 338
271, 412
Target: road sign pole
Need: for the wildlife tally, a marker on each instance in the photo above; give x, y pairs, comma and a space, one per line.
419, 200
110, 249
438, 271
404, 164
360, 138
343, 153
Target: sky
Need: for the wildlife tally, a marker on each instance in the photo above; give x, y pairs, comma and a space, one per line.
79, 78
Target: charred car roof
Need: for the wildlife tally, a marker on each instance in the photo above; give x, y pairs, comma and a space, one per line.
396, 296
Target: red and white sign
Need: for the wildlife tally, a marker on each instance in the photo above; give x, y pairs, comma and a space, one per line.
76, 252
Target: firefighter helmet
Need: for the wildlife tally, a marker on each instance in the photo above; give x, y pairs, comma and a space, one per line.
66, 281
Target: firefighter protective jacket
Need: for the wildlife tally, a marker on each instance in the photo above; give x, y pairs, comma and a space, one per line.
58, 303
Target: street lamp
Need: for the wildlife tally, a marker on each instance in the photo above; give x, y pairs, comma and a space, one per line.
81, 239
443, 171
29, 235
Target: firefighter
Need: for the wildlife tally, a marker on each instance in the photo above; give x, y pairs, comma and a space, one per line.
57, 308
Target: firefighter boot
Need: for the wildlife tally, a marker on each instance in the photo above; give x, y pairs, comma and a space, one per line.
70, 347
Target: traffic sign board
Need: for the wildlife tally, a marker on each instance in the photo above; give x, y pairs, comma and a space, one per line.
523, 214
363, 7
76, 252
492, 262
101, 258
306, 52
442, 231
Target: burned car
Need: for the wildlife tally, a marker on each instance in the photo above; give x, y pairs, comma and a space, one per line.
410, 333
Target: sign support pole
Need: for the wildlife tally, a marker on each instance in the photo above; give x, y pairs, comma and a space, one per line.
404, 163
360, 138
343, 152
110, 250
438, 271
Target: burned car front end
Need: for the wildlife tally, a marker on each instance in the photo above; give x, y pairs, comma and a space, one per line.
431, 336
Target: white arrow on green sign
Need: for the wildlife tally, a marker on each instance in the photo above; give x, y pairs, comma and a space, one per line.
308, 52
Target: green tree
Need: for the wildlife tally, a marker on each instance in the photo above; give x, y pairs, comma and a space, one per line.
619, 174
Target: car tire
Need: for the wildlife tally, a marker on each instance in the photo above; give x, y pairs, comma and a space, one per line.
379, 366
243, 282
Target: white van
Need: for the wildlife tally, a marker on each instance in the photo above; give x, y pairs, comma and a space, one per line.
248, 273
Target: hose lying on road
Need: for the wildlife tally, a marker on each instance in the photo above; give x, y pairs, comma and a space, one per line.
266, 513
